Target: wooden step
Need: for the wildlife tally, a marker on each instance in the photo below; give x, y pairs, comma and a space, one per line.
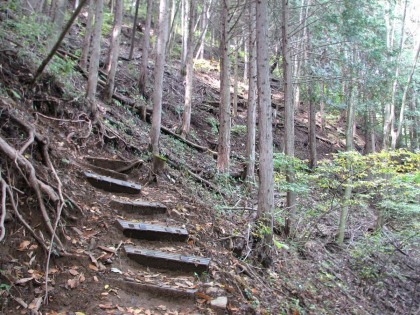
152, 232
107, 172
111, 184
107, 163
162, 260
140, 207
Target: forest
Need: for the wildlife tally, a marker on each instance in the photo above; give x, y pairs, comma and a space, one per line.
209, 157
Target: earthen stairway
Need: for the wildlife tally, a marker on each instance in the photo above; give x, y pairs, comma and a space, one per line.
104, 175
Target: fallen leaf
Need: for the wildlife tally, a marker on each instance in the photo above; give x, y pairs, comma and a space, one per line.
95, 278
72, 283
106, 306
116, 270
73, 272
35, 304
24, 280
24, 246
93, 267
203, 296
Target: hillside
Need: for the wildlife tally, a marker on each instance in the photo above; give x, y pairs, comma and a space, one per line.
47, 126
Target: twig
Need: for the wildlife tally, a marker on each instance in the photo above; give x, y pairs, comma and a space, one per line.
3, 209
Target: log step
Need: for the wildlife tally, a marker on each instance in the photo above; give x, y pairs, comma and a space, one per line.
111, 184
107, 163
140, 207
152, 232
107, 172
162, 260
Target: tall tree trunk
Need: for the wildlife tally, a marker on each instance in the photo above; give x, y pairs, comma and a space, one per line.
174, 12
133, 32
289, 115
224, 108
185, 34
252, 113
114, 51
94, 59
389, 120
145, 50
322, 106
396, 133
186, 116
88, 35
266, 178
158, 75
415, 125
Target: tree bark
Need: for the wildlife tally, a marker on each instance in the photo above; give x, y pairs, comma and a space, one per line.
94, 59
158, 74
266, 179
145, 50
289, 115
224, 108
252, 114
133, 33
114, 51
88, 34
186, 116
235, 80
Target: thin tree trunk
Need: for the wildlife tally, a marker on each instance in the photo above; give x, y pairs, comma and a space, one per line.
145, 50
88, 36
415, 126
186, 116
158, 75
266, 178
58, 43
395, 134
174, 12
289, 115
185, 34
133, 33
235, 80
322, 106
224, 108
94, 59
389, 121
114, 51
252, 113
208, 13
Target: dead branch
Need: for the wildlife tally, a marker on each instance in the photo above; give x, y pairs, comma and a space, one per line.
3, 209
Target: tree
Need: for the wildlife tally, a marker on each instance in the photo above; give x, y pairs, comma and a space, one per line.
145, 50
114, 50
88, 34
186, 116
265, 135
158, 74
289, 112
224, 107
252, 114
133, 32
94, 59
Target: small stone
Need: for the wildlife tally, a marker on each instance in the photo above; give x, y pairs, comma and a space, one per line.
219, 304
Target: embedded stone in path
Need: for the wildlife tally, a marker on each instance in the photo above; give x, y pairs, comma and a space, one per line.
140, 207
162, 260
111, 184
152, 232
107, 163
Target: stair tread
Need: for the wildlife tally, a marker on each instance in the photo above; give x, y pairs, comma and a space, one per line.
111, 184
152, 231
159, 259
140, 207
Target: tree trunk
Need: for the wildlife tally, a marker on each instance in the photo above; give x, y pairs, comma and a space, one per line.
186, 116
415, 125
252, 114
235, 80
133, 33
158, 75
224, 108
94, 59
185, 33
289, 115
145, 50
389, 120
266, 178
114, 51
396, 134
87, 38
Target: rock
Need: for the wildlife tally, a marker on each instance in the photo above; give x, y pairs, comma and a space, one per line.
219, 304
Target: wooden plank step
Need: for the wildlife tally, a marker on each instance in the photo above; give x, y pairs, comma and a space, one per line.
107, 163
111, 184
107, 172
162, 260
140, 207
152, 232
